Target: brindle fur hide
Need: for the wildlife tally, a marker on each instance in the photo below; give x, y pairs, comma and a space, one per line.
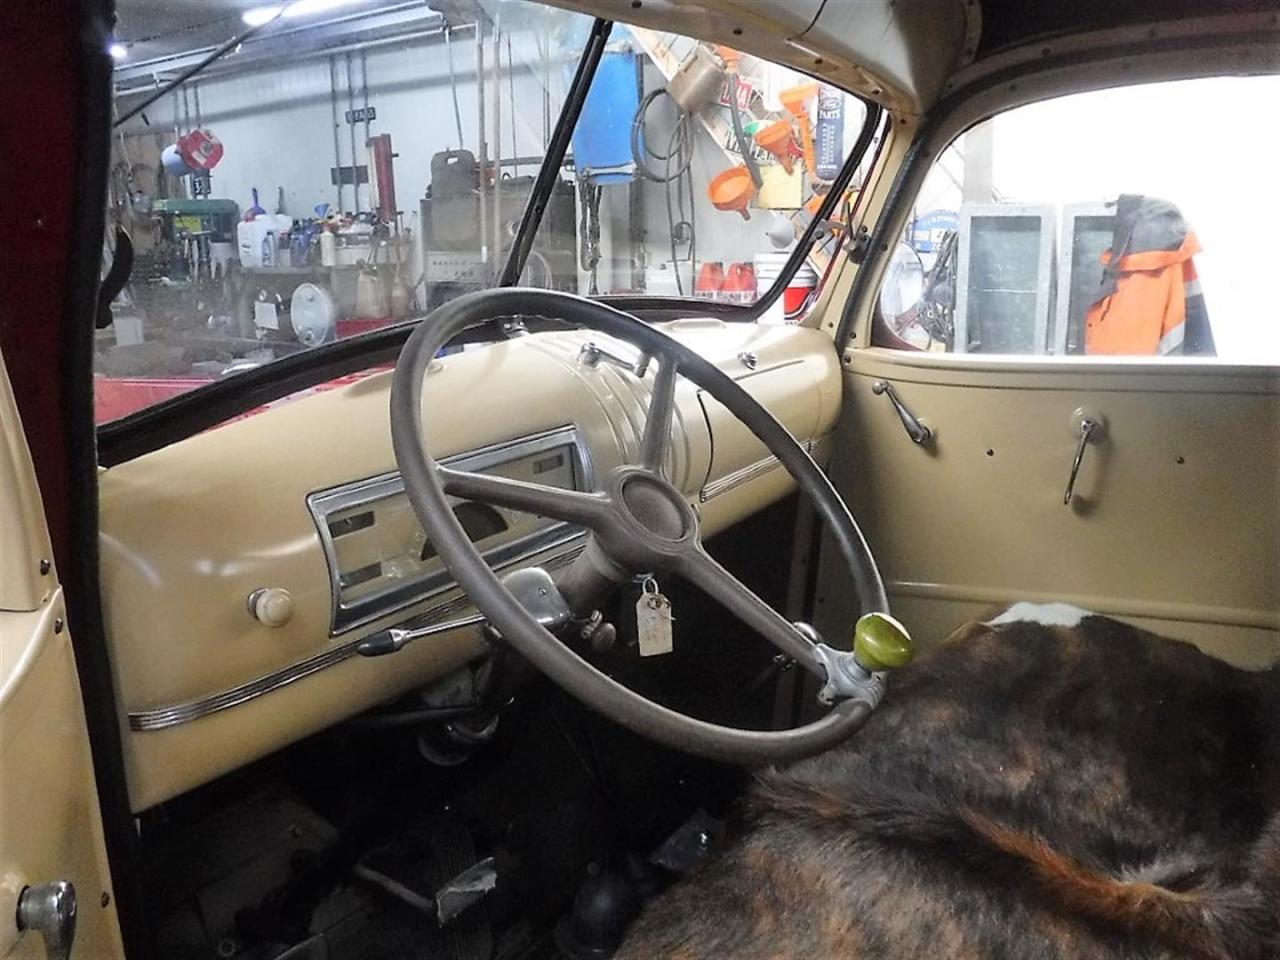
1023, 792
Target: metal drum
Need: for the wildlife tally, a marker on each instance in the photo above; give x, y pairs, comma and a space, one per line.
313, 314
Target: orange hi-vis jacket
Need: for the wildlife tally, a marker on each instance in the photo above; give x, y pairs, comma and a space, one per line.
1150, 302
1147, 314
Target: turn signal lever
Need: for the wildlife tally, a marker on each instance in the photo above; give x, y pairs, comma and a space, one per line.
880, 644
532, 586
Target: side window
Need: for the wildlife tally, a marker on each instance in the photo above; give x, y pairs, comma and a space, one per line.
1134, 221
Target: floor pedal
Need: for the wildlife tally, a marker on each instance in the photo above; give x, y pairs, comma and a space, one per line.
435, 874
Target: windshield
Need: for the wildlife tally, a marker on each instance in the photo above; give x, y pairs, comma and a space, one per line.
694, 169
353, 165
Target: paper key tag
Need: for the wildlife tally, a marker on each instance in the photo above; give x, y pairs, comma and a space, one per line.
653, 623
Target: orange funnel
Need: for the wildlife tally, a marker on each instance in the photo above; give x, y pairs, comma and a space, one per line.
777, 139
732, 190
729, 55
796, 99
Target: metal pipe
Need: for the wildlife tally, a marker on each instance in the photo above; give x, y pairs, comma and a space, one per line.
511, 90
556, 149
527, 160
497, 143
355, 173
453, 86
337, 146
482, 146
364, 86
243, 65
192, 71
544, 51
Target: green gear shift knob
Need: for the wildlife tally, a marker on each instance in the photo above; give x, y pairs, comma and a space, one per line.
881, 643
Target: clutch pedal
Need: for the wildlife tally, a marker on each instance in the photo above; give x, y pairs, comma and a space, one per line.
437, 873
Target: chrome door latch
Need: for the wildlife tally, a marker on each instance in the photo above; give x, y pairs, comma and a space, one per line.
917, 431
50, 908
1090, 426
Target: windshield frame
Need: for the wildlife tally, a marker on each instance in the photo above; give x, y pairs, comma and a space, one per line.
207, 406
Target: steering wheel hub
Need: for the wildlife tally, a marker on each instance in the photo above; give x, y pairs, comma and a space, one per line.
656, 505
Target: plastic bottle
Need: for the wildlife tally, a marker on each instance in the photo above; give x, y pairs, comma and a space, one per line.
401, 297
328, 248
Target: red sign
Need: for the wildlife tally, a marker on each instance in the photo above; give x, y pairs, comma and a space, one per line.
745, 90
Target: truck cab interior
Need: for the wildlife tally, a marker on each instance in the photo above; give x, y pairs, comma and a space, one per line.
500, 480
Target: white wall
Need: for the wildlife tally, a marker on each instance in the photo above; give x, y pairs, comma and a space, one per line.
277, 124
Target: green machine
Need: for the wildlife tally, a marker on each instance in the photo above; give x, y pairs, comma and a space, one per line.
197, 238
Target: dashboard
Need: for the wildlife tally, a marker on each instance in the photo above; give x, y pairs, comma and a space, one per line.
380, 560
302, 504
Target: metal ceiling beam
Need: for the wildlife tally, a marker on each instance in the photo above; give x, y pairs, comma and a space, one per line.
403, 22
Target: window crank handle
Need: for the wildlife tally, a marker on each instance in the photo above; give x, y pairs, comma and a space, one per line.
1087, 427
917, 431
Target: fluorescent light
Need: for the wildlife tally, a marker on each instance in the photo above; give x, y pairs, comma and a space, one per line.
305, 8
260, 15
299, 8
117, 51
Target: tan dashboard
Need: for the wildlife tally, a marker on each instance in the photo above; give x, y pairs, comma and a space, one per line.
297, 512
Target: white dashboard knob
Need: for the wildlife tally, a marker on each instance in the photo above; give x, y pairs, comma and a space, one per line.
271, 606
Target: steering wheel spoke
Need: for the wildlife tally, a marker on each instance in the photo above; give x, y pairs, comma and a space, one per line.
700, 569
656, 442
573, 506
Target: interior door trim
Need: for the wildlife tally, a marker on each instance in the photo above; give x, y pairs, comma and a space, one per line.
1114, 374
1109, 605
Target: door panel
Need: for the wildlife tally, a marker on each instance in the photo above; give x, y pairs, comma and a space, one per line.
1175, 522
50, 826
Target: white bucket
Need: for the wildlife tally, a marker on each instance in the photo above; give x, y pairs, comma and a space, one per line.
796, 297
768, 266
768, 269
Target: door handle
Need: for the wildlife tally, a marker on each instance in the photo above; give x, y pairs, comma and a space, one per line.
917, 431
1090, 426
51, 909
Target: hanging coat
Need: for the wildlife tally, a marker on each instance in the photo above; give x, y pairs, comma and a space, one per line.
1149, 302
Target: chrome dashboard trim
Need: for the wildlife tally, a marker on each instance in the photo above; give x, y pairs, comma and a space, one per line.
752, 471
323, 503
441, 618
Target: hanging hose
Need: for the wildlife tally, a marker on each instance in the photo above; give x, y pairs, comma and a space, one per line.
676, 169
744, 144
671, 219
589, 230
640, 150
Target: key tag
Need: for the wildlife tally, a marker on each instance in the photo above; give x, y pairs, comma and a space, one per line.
653, 620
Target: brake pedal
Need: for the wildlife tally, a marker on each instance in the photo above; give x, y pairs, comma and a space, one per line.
466, 889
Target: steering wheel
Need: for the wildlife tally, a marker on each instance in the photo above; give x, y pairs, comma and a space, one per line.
639, 523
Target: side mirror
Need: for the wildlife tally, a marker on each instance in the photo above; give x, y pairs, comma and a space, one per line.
903, 287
